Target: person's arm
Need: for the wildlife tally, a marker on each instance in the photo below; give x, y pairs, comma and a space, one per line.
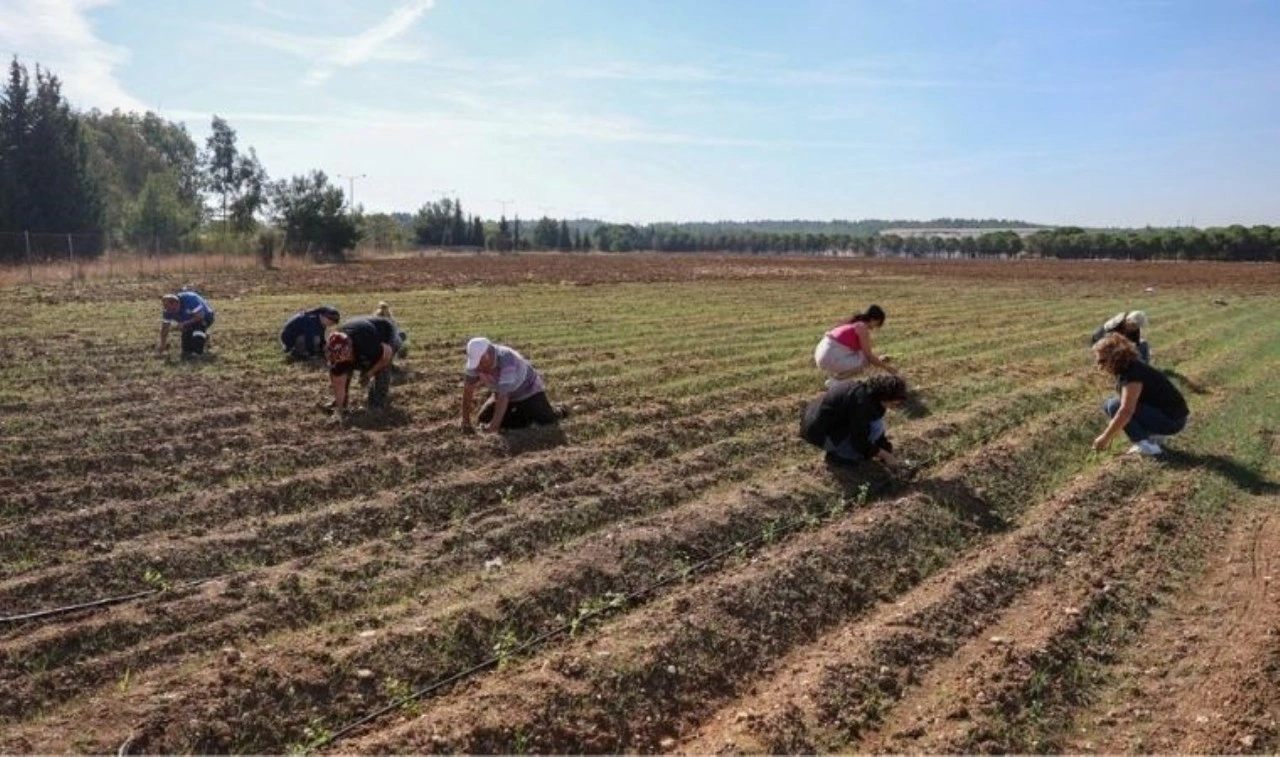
165, 325
468, 396
1129, 394
339, 382
383, 361
500, 403
864, 336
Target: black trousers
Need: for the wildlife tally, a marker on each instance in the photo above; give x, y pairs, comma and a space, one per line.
536, 409
193, 339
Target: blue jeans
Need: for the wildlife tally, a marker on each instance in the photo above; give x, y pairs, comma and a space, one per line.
845, 448
1146, 420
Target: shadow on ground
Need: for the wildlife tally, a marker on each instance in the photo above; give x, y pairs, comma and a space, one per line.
1246, 478
534, 438
1194, 386
375, 420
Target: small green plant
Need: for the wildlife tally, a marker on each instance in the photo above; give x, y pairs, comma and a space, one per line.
593, 607
507, 495
315, 735
122, 685
504, 648
155, 579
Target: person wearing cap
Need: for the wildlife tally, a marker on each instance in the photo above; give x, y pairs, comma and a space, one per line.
303, 335
365, 344
1130, 325
847, 421
192, 315
846, 349
518, 398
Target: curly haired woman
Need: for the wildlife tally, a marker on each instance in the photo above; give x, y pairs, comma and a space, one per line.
1149, 407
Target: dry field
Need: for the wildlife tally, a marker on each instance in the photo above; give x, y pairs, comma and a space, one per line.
671, 571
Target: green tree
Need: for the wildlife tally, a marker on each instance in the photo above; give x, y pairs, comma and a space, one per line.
312, 213
47, 185
159, 218
239, 180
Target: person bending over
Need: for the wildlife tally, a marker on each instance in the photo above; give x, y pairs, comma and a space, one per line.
367, 345
303, 335
1149, 407
846, 349
847, 421
192, 315
517, 397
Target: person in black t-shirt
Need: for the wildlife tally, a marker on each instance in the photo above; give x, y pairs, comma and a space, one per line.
848, 420
1149, 407
367, 345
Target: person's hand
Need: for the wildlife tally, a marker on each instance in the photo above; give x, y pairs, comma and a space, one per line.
492, 428
1101, 443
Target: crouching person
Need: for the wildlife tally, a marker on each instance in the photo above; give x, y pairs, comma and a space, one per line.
367, 345
518, 398
848, 420
193, 317
303, 335
1149, 407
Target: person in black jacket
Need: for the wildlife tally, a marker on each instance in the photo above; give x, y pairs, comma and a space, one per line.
303, 334
848, 420
367, 344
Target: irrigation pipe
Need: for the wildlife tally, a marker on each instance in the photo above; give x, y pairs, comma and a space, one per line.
104, 602
538, 640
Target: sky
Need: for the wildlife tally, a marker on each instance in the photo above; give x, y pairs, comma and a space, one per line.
1089, 112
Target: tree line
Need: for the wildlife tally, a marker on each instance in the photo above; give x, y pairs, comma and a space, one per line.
139, 181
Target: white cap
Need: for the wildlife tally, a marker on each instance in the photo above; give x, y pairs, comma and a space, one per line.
476, 349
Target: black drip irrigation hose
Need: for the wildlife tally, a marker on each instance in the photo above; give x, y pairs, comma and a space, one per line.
105, 602
422, 693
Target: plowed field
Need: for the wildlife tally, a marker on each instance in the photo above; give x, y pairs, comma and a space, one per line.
672, 570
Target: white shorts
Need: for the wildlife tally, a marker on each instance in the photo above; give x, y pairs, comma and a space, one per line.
838, 360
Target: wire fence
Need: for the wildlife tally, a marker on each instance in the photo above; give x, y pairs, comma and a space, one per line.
31, 257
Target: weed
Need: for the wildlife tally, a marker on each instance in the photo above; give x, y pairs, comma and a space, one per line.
504, 648
155, 579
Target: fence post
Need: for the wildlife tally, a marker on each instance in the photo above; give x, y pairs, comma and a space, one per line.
71, 256
26, 235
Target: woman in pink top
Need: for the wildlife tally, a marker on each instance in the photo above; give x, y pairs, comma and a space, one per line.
846, 349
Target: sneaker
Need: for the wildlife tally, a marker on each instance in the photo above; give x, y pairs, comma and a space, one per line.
1145, 447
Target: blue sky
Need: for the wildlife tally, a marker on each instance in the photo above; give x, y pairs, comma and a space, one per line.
1096, 112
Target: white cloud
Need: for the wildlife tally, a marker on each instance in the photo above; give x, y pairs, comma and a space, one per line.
328, 54
57, 35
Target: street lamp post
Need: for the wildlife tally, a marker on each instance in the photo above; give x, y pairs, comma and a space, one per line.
351, 183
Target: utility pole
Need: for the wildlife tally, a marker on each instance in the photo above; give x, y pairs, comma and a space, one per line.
447, 236
351, 184
504, 204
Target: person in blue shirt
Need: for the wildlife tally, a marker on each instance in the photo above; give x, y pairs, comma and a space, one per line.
193, 317
303, 335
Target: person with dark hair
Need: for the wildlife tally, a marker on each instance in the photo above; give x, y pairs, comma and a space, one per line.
518, 398
848, 420
846, 349
1149, 407
1129, 324
367, 344
192, 315
303, 335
